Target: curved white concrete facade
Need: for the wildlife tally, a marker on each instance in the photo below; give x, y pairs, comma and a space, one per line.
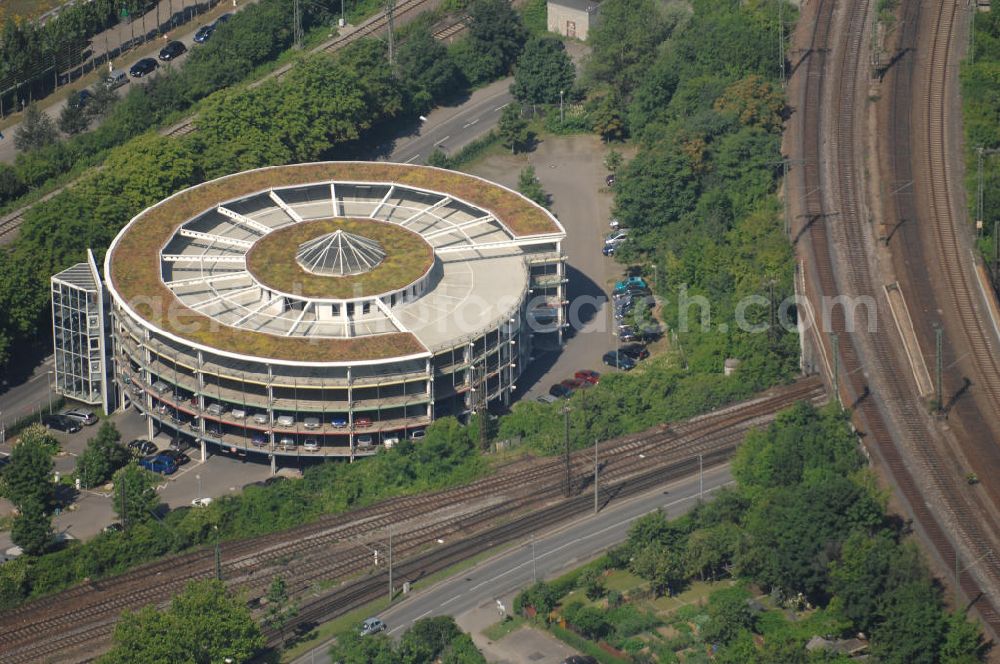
475, 313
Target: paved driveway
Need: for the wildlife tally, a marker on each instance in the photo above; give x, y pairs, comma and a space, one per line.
571, 169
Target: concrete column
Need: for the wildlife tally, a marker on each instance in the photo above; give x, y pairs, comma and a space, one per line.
430, 388
204, 450
274, 464
350, 408
270, 410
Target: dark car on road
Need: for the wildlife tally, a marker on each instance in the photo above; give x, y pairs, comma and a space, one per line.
204, 32
143, 67
61, 423
560, 391
79, 100
627, 333
635, 351
172, 50
620, 360
176, 456
142, 447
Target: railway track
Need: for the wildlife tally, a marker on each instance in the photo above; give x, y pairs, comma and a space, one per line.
338, 548
837, 252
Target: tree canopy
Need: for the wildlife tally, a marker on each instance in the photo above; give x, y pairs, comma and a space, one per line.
543, 72
103, 455
428, 640
203, 625
135, 498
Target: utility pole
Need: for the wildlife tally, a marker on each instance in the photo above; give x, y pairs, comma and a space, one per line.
835, 342
568, 474
773, 318
390, 563
781, 40
939, 366
390, 8
121, 490
483, 410
701, 479
297, 23
534, 577
218, 556
595, 476
562, 118
979, 190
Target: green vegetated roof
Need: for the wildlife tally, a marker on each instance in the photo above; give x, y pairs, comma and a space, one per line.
272, 260
135, 264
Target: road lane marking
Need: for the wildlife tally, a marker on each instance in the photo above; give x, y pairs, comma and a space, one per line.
449, 601
442, 140
469, 124
500, 108
588, 536
411, 158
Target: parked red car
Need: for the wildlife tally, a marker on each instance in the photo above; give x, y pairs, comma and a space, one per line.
588, 375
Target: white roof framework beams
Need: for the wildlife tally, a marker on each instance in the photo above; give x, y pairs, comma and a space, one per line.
381, 204
203, 258
295, 216
208, 278
460, 229
245, 222
426, 211
216, 239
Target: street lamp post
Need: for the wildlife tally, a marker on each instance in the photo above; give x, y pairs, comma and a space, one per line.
595, 476
562, 117
566, 410
701, 479
198, 477
51, 388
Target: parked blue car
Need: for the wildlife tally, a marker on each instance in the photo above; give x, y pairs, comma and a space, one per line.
159, 463
630, 283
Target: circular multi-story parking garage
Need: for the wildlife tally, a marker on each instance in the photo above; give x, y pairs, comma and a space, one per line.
324, 309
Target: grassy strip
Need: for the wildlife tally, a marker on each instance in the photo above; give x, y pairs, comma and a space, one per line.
474, 150
498, 630
583, 645
329, 630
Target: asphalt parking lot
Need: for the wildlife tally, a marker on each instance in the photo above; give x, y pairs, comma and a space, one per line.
91, 510
571, 169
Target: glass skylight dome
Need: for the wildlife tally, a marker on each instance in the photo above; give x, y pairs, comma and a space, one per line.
340, 254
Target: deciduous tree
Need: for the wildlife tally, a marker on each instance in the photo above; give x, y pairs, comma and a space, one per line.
36, 131
28, 476
103, 455
513, 129
72, 118
542, 72
203, 625
32, 529
135, 497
